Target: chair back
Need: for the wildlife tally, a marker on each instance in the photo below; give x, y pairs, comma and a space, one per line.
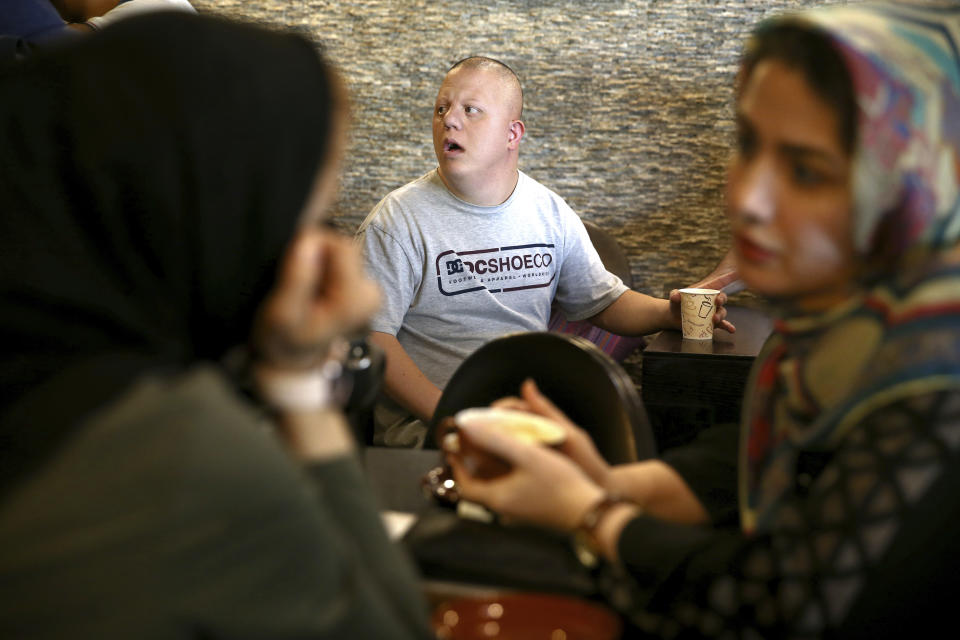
585, 383
610, 252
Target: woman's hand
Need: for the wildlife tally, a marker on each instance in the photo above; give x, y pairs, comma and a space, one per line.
652, 484
321, 293
578, 445
544, 487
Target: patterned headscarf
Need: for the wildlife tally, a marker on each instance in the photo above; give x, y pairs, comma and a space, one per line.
900, 335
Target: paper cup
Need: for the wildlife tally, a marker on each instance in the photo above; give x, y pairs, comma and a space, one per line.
516, 424
697, 307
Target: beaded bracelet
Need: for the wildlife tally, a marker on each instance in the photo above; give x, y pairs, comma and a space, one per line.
586, 545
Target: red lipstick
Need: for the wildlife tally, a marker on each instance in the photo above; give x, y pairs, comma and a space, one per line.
753, 252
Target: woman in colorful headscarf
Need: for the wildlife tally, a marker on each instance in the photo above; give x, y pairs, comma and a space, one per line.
162, 185
845, 211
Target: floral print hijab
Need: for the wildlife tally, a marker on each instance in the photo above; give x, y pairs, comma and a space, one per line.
900, 336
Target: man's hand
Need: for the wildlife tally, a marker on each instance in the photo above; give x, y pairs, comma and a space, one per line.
719, 317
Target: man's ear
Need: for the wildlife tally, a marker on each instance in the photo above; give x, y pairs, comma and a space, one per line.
515, 134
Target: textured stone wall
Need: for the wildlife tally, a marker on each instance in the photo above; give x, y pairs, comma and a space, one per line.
628, 104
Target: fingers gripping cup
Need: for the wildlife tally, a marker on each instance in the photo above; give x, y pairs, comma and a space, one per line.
697, 307
521, 425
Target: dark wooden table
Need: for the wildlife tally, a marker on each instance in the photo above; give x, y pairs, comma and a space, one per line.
689, 384
395, 474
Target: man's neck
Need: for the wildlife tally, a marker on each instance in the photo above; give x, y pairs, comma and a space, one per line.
484, 193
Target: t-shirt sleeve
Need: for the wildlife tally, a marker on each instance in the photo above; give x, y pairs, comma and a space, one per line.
585, 287
389, 262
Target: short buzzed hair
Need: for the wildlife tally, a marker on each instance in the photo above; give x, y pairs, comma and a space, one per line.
492, 64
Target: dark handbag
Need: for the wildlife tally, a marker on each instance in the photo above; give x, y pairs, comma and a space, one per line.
452, 549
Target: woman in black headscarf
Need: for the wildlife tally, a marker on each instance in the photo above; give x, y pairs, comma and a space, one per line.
152, 178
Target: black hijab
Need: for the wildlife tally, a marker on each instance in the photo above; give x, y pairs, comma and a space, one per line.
150, 179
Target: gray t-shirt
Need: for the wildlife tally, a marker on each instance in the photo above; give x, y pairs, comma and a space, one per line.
456, 275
